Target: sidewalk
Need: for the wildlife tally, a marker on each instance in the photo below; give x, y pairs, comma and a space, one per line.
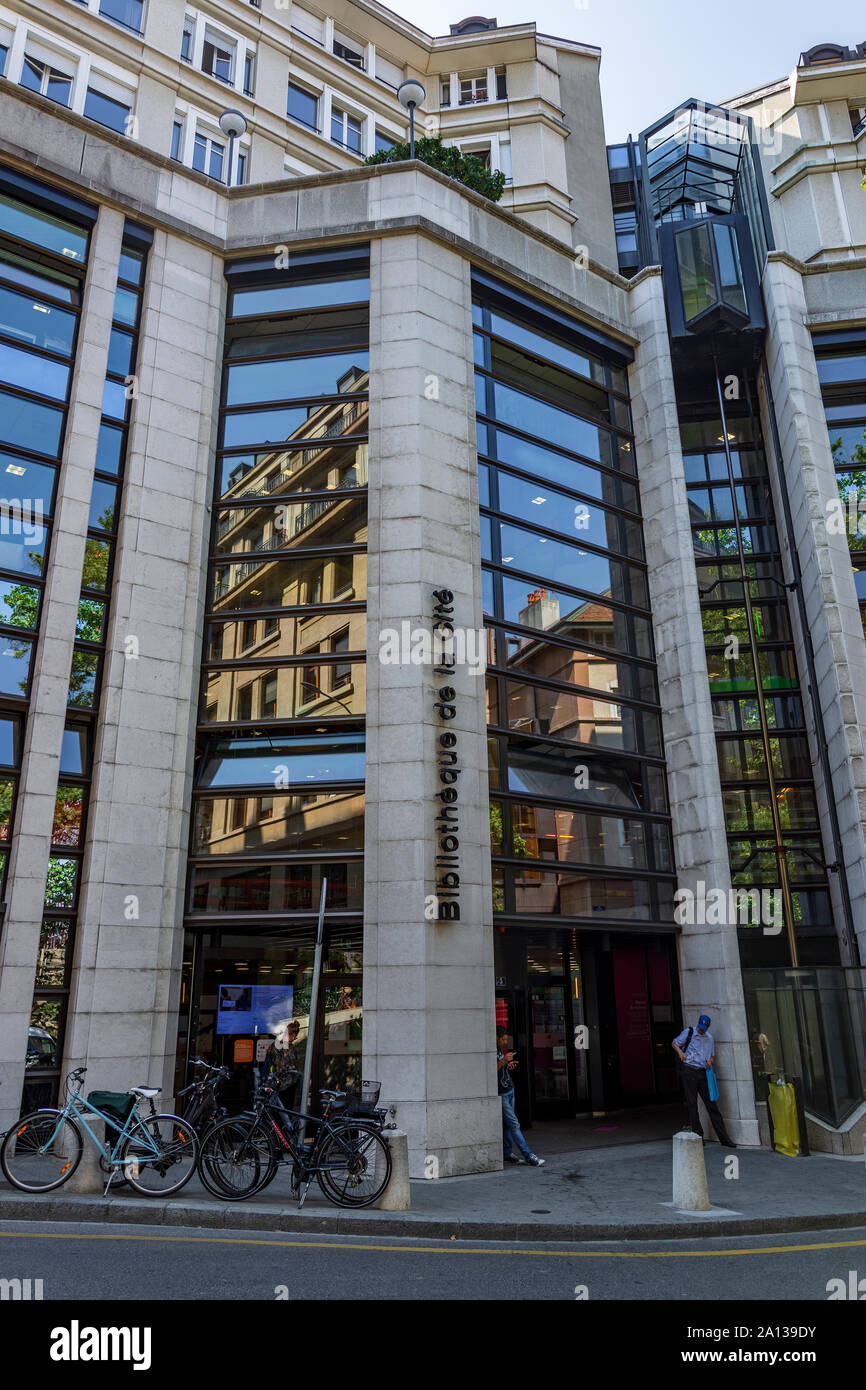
596, 1194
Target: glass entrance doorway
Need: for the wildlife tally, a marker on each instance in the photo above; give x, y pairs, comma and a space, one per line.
591, 1018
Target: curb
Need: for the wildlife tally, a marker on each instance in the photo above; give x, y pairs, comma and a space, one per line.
234, 1216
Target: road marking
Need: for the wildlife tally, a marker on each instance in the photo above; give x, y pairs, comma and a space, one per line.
437, 1249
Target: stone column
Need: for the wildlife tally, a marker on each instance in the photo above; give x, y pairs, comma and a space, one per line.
429, 1018
123, 1010
40, 765
832, 608
709, 957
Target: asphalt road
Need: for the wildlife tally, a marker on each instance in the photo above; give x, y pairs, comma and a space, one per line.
82, 1261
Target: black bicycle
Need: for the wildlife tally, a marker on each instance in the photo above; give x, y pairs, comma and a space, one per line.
239, 1156
203, 1107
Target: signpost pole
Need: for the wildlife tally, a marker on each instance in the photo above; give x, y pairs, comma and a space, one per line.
314, 1008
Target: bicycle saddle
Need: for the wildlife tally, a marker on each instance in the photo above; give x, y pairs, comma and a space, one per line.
146, 1092
334, 1095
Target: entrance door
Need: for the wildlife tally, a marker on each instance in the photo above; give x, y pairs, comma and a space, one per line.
549, 1041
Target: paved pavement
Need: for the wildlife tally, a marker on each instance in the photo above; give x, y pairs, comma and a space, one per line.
619, 1192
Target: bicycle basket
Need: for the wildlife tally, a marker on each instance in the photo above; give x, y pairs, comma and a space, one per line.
117, 1105
363, 1102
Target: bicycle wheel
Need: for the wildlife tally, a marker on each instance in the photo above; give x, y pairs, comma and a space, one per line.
236, 1159
353, 1166
171, 1169
41, 1151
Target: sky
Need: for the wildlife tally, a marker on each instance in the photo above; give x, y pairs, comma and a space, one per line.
657, 53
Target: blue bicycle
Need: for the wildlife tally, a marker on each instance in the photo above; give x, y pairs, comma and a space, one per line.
156, 1154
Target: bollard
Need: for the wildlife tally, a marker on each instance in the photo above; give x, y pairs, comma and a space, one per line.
690, 1174
396, 1196
88, 1176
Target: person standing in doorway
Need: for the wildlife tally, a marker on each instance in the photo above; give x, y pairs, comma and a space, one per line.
696, 1048
511, 1131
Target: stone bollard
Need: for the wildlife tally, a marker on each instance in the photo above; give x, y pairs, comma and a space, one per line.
690, 1174
396, 1196
88, 1176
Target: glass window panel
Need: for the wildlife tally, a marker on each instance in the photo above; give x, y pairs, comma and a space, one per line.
51, 963
32, 373
89, 624
10, 741
103, 505
28, 425
289, 692
74, 757
697, 277
97, 559
286, 583
36, 322
68, 815
302, 106
530, 657
533, 709
330, 330
61, 882
286, 887
578, 619
559, 468
109, 449
125, 306
15, 656
280, 823
538, 769
555, 426
107, 111
548, 832
543, 379
27, 486
43, 280
298, 762
126, 12
564, 564
543, 891
554, 510
44, 1049
329, 374
120, 346
19, 604
730, 270
25, 553
288, 299
7, 796
83, 678
322, 522
272, 472
131, 265
545, 345
24, 223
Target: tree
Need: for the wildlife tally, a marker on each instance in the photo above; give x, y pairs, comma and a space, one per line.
467, 169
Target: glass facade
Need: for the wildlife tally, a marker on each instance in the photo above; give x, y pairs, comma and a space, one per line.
771, 815
278, 804
578, 812
841, 359
43, 254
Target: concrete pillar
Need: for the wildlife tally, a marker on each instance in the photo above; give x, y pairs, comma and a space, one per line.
124, 998
428, 985
710, 975
832, 608
40, 765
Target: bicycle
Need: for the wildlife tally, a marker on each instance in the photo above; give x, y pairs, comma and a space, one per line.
239, 1156
205, 1091
155, 1153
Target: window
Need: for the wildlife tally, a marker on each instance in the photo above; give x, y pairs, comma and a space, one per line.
187, 40
241, 176
177, 140
388, 72
501, 88
249, 73
4, 49
345, 130
473, 88
269, 697
350, 50
207, 156
341, 673
384, 142
303, 106
217, 60
245, 701
311, 680
858, 119
310, 25
248, 633
106, 110
48, 81
445, 92
129, 13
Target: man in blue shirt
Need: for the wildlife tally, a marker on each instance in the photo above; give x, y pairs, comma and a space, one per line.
696, 1048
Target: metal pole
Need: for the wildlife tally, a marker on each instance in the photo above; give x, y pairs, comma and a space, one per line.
411, 130
231, 160
314, 1008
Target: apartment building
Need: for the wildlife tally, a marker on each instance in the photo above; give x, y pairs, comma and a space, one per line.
271, 419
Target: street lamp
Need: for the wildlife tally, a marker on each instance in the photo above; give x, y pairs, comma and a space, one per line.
410, 94
233, 124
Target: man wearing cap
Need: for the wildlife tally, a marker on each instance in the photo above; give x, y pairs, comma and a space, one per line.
696, 1048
